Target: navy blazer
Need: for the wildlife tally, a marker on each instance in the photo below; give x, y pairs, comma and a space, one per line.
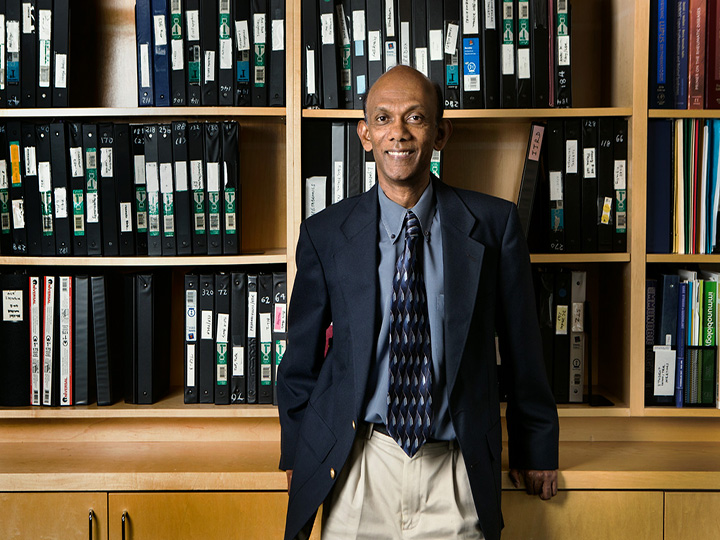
488, 289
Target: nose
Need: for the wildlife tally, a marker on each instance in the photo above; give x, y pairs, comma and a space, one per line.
398, 130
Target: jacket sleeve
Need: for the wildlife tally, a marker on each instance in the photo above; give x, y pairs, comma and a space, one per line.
531, 416
308, 318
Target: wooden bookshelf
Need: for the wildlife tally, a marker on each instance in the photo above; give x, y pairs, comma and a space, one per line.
479, 114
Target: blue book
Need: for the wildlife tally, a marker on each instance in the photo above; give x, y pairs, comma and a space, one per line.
681, 53
662, 57
143, 32
714, 194
681, 342
161, 57
660, 186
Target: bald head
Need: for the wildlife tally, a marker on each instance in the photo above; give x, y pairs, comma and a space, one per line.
400, 75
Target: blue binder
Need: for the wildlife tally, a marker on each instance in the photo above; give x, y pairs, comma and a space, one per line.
161, 59
143, 31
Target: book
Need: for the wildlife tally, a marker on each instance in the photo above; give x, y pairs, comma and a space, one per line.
238, 337
108, 183
563, 66
261, 57
125, 188
45, 188
90, 154
696, 61
232, 190
265, 348
178, 75
192, 321
222, 330
276, 89
226, 54
183, 221
531, 170
556, 162
252, 338
589, 185
241, 11
161, 54
194, 54
205, 360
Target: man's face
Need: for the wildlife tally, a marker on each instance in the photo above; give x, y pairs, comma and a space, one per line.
401, 128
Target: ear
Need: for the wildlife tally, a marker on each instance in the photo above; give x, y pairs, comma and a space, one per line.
363, 132
443, 133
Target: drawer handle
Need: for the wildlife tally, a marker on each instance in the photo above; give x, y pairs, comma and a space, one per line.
90, 519
124, 520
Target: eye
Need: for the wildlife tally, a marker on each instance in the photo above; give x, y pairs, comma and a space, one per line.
381, 119
415, 118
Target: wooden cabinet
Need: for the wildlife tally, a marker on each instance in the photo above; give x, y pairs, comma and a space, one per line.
692, 515
53, 516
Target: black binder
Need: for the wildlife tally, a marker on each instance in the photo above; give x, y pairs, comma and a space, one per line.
279, 324
209, 44
77, 184
193, 53
252, 338
556, 166
491, 53
276, 92
222, 329
108, 370
153, 335
343, 43
28, 48
452, 42
5, 203
152, 179
62, 194
376, 40
13, 20
44, 27
167, 188
93, 226
436, 43
620, 152
161, 60
354, 156
563, 70
61, 52
226, 54
243, 24
84, 380
606, 190
260, 56
143, 32
523, 67
508, 41
561, 360
338, 163
45, 184
125, 188
589, 185
177, 54
15, 336
238, 337
531, 170
540, 53
49, 345
328, 55
3, 79
265, 364
17, 188
196, 156
404, 31
192, 328
213, 155
206, 347
130, 339
573, 186
33, 210
471, 96
232, 200
183, 225
108, 196
358, 32
419, 37
140, 201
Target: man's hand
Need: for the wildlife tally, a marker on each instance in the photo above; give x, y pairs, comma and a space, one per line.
289, 478
543, 483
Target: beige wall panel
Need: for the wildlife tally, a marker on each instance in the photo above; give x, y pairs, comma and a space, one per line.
52, 516
692, 515
586, 515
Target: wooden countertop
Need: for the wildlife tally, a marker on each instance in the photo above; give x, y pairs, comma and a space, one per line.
243, 466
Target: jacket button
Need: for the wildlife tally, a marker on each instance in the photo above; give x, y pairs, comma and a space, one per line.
332, 473
353, 423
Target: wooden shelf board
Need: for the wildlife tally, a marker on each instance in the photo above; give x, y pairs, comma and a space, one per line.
565, 258
683, 113
239, 466
270, 256
488, 113
682, 412
172, 406
143, 112
683, 259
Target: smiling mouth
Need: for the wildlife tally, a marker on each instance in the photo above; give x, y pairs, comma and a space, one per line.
399, 153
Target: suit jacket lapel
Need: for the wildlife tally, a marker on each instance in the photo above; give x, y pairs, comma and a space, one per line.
356, 263
462, 262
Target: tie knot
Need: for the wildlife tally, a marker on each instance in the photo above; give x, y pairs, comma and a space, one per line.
412, 225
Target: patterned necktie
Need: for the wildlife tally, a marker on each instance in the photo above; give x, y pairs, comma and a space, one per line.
409, 394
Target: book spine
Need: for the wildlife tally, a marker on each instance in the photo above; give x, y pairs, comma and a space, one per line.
696, 79
681, 343
681, 55
650, 319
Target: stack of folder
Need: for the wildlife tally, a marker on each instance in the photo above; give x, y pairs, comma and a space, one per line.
35, 46
481, 53
235, 336
210, 52
119, 189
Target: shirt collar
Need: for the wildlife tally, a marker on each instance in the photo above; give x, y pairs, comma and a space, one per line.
392, 214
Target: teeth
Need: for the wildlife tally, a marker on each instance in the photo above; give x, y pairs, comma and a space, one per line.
397, 153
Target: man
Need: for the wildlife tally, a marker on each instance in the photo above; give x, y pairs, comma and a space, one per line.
397, 431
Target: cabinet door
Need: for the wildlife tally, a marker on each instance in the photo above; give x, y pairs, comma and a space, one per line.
199, 515
588, 515
692, 515
50, 516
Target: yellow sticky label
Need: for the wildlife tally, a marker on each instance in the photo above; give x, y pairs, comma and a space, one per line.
15, 164
607, 206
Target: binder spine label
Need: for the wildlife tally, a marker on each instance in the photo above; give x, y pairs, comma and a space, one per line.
242, 35
66, 374
48, 336
206, 321
359, 32
345, 51
374, 46
471, 62
141, 208
280, 346
153, 198
91, 179
590, 170
523, 40
13, 306
489, 14
13, 52
435, 163
144, 65
221, 359
166, 188
125, 217
106, 162
252, 314
190, 364
35, 362
78, 212
563, 35
176, 45
213, 183
60, 70
265, 348
571, 157
405, 43
30, 161
259, 38
436, 45
194, 65
209, 66
389, 18
191, 316
508, 39
160, 33
470, 17
224, 34
15, 164
193, 24
390, 55
238, 364
45, 50
3, 52
370, 173
230, 224
621, 211
18, 213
